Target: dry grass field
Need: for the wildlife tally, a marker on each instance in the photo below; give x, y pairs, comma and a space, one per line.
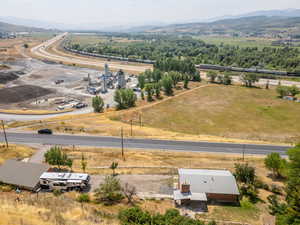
111, 122
14, 151
228, 111
46, 209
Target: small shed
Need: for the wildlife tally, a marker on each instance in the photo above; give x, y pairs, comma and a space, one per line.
22, 174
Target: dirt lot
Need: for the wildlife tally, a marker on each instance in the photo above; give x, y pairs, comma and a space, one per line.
22, 93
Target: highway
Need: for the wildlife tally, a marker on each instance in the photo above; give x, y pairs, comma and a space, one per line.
130, 143
41, 51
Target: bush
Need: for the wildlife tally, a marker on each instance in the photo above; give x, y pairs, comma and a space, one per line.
109, 192
137, 216
259, 184
57, 192
83, 198
246, 203
276, 189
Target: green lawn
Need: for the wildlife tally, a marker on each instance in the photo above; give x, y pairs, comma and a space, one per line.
229, 111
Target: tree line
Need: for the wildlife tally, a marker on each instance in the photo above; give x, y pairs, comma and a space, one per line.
200, 52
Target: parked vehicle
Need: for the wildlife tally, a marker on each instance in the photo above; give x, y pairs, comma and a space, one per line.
45, 131
64, 181
80, 105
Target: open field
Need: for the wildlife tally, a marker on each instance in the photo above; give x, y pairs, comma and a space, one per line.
228, 111
238, 41
15, 151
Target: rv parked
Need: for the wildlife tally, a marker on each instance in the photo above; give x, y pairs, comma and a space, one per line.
64, 181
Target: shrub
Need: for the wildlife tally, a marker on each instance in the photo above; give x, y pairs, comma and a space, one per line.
83, 198
246, 203
276, 189
109, 191
57, 192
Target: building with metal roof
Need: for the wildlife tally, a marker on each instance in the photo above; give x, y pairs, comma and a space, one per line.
22, 174
206, 185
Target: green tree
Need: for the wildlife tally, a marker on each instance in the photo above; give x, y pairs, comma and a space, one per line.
98, 104
141, 80
291, 214
150, 92
245, 173
282, 91
167, 85
186, 82
83, 163
125, 98
110, 191
197, 76
113, 167
212, 75
293, 90
275, 163
249, 79
157, 88
56, 157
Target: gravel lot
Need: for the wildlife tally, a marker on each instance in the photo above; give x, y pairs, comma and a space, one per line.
152, 184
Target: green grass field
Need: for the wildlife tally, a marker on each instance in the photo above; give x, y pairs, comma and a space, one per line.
229, 111
238, 41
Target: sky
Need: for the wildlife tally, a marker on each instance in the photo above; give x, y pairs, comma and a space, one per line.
120, 12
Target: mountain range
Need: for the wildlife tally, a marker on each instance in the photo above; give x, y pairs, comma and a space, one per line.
257, 21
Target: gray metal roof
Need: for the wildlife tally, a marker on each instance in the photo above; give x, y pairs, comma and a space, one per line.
22, 174
209, 181
178, 195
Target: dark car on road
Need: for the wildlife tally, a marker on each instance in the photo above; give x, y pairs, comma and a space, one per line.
45, 131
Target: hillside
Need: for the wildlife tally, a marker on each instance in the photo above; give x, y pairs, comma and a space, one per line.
6, 27
256, 25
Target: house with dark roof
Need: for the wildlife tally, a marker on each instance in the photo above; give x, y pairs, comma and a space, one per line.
206, 186
24, 175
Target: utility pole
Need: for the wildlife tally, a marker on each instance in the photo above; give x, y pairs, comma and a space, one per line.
140, 117
131, 127
244, 152
122, 143
4, 133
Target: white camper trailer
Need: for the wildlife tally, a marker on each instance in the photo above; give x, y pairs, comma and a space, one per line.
64, 181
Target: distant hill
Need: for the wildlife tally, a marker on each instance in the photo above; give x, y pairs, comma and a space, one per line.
6, 27
255, 25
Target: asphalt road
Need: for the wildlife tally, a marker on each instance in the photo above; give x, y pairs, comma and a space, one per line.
143, 143
41, 50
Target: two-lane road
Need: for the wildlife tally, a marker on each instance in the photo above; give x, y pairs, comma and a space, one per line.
131, 143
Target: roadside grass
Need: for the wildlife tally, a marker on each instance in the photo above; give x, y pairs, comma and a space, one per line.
228, 112
14, 152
